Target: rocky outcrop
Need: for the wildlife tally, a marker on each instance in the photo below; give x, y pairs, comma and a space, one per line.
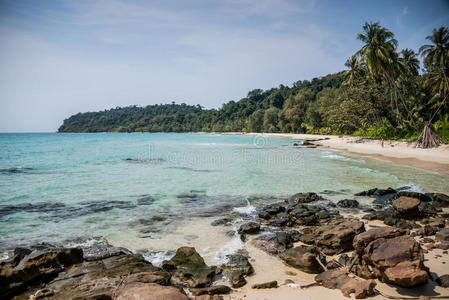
407, 206
34, 267
339, 279
397, 260
304, 198
188, 268
303, 258
335, 237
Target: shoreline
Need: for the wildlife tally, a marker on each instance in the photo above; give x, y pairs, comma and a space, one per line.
435, 160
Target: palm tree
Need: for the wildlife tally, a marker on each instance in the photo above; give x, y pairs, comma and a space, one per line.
355, 70
409, 62
380, 57
437, 60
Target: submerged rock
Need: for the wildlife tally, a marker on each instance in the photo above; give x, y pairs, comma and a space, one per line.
335, 237
303, 258
188, 268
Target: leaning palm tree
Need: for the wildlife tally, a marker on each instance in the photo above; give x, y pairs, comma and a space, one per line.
436, 59
380, 57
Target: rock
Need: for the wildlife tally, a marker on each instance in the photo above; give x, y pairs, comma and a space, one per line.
339, 279
442, 235
443, 245
149, 291
363, 239
304, 198
19, 254
213, 290
397, 260
221, 221
284, 239
422, 197
188, 268
236, 268
303, 258
335, 237
36, 267
249, 228
124, 275
407, 206
443, 280
348, 203
271, 210
265, 285
377, 192
442, 199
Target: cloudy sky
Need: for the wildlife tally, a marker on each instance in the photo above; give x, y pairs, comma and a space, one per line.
58, 58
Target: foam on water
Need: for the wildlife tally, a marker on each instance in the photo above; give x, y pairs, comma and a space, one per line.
246, 210
157, 258
229, 248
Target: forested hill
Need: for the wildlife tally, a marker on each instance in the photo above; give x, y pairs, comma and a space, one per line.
281, 109
381, 95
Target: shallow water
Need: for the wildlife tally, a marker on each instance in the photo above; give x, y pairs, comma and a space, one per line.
58, 186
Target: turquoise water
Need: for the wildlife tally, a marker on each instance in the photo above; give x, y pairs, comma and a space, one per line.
56, 186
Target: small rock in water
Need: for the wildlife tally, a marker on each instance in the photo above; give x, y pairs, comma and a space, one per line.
265, 285
249, 228
348, 203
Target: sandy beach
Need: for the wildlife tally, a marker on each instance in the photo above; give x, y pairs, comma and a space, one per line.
401, 153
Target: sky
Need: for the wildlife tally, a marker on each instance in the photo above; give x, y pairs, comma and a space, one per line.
58, 58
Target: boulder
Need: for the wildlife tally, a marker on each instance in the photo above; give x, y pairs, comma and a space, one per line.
188, 268
348, 203
236, 268
303, 258
407, 206
304, 198
335, 237
339, 279
443, 280
249, 228
442, 235
397, 260
363, 239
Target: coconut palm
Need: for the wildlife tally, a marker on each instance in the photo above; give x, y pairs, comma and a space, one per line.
409, 63
436, 59
381, 59
354, 71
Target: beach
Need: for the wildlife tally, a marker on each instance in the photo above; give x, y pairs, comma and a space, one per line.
402, 153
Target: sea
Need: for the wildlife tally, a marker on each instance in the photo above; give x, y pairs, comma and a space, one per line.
154, 192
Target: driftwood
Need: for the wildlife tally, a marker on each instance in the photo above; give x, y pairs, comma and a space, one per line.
428, 138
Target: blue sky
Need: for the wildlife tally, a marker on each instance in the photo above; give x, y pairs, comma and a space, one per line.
58, 58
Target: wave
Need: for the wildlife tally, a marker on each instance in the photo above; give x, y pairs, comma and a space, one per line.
230, 247
157, 258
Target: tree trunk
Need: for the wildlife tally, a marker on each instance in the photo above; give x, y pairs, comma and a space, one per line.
428, 138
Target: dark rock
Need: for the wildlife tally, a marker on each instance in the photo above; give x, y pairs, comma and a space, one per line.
420, 196
249, 228
213, 290
377, 192
442, 199
265, 285
188, 268
443, 280
303, 258
442, 235
19, 254
236, 268
443, 245
284, 239
348, 203
407, 206
304, 198
335, 237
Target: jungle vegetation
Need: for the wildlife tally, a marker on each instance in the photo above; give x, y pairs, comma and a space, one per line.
383, 93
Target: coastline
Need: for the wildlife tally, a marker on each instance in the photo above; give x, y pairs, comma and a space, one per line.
435, 160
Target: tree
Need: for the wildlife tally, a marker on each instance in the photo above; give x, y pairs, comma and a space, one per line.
380, 57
